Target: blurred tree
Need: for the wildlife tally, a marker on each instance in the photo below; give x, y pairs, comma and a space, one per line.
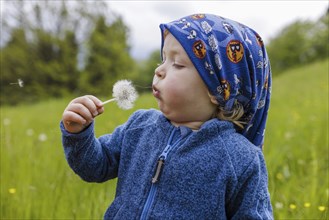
15, 63
290, 48
108, 59
55, 64
146, 70
299, 43
320, 38
45, 43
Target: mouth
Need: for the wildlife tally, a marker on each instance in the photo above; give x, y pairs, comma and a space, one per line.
156, 92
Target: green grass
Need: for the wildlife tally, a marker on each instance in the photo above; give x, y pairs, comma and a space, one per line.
37, 183
296, 145
36, 168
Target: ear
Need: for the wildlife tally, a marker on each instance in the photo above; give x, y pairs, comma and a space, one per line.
212, 99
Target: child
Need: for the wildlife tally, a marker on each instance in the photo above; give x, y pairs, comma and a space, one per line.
200, 156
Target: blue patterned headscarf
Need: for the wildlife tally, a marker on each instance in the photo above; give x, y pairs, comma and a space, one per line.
232, 61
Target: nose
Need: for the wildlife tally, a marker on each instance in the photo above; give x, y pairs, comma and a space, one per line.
160, 72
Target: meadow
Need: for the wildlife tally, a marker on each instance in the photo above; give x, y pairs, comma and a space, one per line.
37, 183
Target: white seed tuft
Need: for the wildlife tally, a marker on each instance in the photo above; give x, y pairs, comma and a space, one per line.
124, 94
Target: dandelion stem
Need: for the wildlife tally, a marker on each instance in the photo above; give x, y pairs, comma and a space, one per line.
110, 100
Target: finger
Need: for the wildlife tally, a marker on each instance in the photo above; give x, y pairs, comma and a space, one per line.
70, 116
82, 110
88, 102
100, 110
97, 102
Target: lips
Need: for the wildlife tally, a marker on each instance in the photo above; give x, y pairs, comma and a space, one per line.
156, 92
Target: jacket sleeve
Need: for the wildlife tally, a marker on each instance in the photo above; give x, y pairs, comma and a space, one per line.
93, 159
251, 199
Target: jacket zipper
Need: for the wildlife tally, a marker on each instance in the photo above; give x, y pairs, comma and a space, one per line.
155, 179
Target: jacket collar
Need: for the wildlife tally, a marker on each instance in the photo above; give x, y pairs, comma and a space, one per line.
165, 124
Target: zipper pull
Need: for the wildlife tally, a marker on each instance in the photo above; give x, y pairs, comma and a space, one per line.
158, 170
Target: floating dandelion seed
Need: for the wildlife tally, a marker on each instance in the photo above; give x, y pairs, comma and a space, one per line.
19, 82
124, 94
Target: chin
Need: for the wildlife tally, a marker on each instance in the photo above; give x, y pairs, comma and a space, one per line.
177, 119
167, 114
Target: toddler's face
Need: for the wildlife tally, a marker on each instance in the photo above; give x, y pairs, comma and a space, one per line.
181, 94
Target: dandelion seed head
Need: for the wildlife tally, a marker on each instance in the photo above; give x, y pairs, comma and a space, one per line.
125, 94
286, 171
29, 132
288, 135
33, 188
42, 137
278, 205
6, 121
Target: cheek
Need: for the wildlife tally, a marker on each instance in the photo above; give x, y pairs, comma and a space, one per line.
173, 95
174, 91
182, 97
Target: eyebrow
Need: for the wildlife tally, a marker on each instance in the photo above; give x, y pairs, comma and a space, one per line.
172, 52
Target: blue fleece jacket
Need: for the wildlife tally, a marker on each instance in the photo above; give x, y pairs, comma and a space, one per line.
167, 172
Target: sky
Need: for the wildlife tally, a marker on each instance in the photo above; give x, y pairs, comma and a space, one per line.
266, 17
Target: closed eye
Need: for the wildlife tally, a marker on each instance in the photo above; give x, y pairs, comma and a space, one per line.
178, 66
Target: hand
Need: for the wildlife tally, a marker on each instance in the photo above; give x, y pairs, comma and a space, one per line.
80, 112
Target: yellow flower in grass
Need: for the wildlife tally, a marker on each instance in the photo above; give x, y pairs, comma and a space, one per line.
292, 206
322, 208
307, 204
12, 190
